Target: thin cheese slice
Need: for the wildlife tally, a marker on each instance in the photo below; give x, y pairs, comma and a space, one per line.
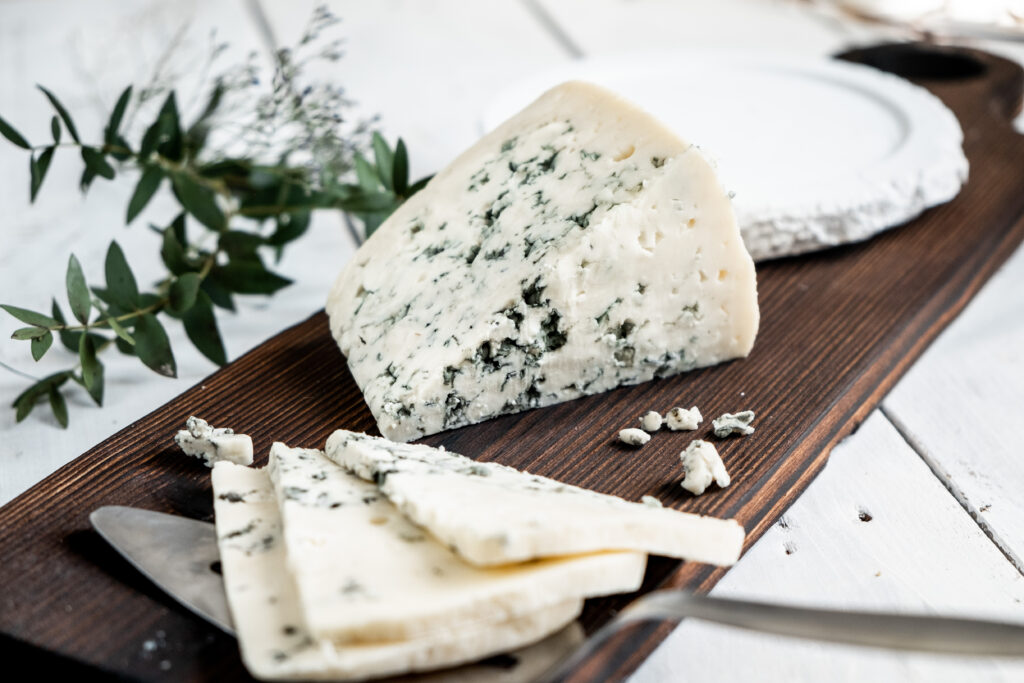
265, 606
491, 514
365, 573
579, 247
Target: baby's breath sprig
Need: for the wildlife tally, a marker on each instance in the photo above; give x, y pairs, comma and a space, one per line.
288, 155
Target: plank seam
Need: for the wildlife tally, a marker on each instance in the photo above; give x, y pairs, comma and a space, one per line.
553, 28
958, 493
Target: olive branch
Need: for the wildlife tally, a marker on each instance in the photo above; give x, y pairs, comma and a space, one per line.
242, 208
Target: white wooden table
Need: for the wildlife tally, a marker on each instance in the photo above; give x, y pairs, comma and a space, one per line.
919, 510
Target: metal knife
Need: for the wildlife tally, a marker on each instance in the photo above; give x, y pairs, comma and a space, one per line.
177, 554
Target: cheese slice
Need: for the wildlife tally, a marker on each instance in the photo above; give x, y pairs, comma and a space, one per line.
265, 606
365, 573
491, 514
579, 247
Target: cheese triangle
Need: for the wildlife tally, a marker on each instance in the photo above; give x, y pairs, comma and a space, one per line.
491, 514
274, 640
365, 573
579, 247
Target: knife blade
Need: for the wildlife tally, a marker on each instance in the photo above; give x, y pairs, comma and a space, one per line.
175, 553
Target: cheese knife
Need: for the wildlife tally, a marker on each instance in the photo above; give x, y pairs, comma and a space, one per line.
180, 556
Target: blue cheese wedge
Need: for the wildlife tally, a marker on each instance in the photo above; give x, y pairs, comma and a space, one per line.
365, 573
275, 643
579, 247
201, 440
493, 515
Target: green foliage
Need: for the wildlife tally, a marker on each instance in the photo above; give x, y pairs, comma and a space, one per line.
234, 211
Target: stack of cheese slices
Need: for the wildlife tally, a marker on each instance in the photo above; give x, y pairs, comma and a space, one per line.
374, 558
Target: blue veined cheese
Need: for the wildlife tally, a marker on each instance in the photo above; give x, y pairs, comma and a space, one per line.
491, 514
201, 440
365, 573
651, 421
634, 437
701, 465
274, 640
679, 419
733, 423
579, 247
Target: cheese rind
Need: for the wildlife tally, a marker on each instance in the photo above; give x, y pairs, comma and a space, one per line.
275, 643
579, 247
365, 573
516, 516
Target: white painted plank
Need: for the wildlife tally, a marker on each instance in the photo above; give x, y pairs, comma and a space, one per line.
601, 27
919, 552
962, 407
428, 67
92, 51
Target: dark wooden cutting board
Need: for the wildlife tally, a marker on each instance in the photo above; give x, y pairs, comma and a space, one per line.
837, 330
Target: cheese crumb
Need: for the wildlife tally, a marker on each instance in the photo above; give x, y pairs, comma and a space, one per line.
702, 465
651, 502
733, 423
650, 421
634, 437
200, 440
679, 419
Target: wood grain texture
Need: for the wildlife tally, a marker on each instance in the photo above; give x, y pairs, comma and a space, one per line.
838, 329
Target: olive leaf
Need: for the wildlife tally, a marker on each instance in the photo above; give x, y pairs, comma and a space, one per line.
400, 169
121, 285
110, 133
92, 369
365, 174
27, 400
96, 163
249, 278
29, 333
68, 123
149, 183
219, 294
201, 328
31, 317
172, 250
59, 406
40, 345
152, 345
199, 201
39, 169
183, 292
384, 157
8, 131
164, 135
78, 291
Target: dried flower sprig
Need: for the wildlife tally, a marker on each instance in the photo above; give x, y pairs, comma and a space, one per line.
289, 155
